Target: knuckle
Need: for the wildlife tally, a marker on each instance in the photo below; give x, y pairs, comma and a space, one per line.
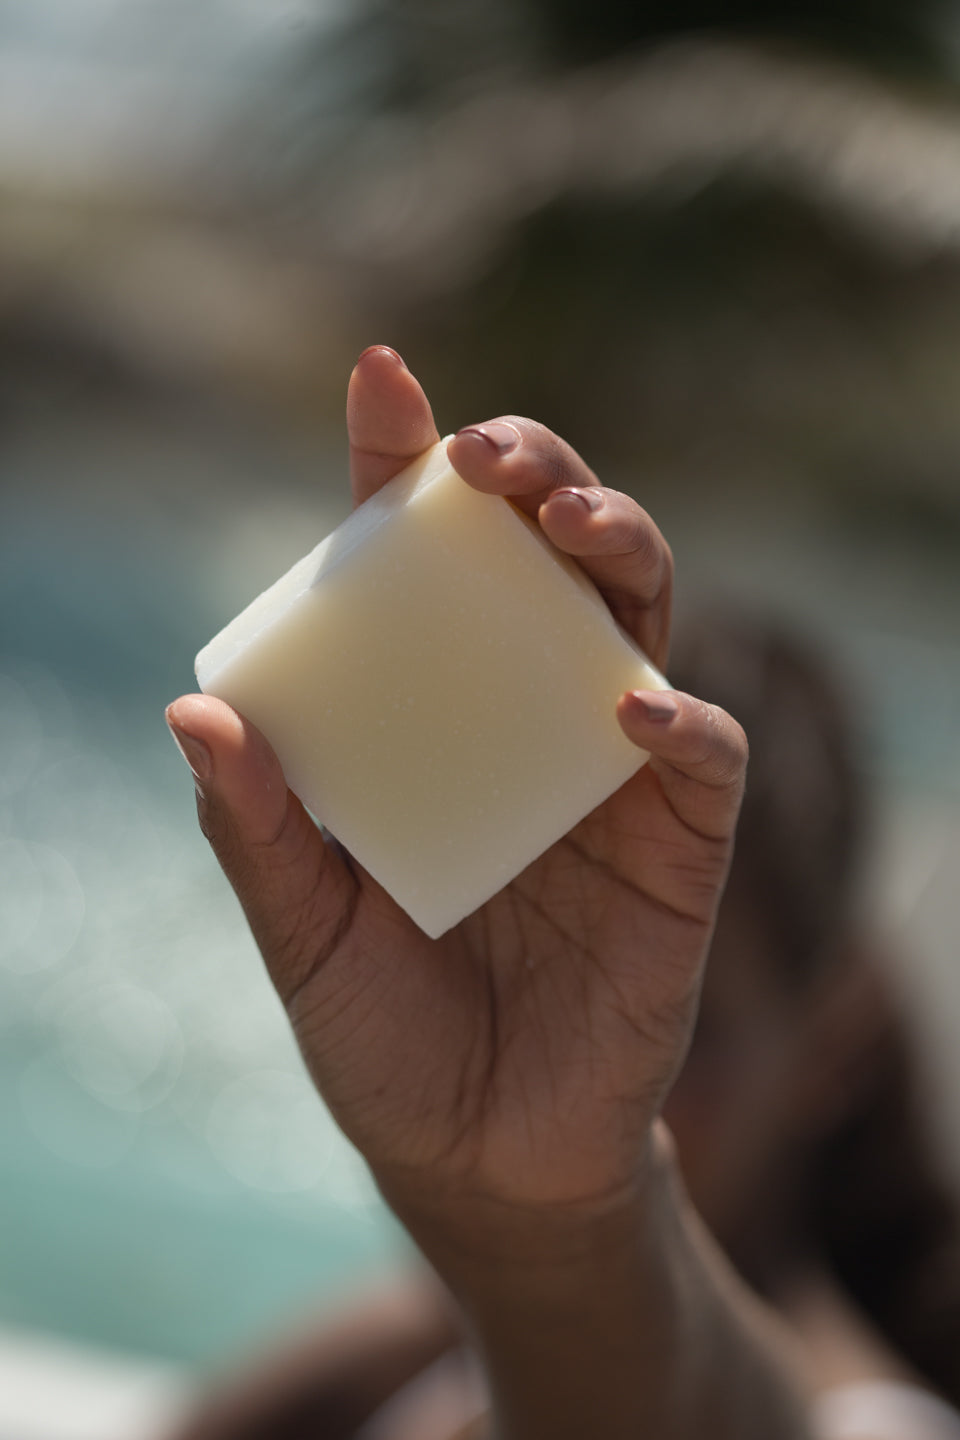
556, 461
232, 856
722, 752
211, 820
636, 533
560, 463
730, 749
633, 535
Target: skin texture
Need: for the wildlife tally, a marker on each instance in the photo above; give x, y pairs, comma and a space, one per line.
505, 1081
538, 1038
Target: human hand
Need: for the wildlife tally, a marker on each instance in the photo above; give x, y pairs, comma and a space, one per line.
522, 1057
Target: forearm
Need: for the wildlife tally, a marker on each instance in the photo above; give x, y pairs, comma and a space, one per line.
618, 1323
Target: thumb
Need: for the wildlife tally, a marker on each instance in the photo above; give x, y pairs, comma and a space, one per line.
389, 420
297, 891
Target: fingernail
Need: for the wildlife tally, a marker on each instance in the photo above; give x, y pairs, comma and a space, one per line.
591, 499
659, 707
382, 350
194, 751
499, 435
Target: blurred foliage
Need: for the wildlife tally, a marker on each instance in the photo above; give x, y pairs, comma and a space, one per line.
408, 51
740, 338
902, 34
676, 247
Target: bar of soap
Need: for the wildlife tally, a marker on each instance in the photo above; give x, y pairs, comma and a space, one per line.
440, 686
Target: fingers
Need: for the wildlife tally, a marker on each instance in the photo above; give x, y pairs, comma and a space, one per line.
297, 892
698, 752
615, 541
389, 420
517, 457
625, 555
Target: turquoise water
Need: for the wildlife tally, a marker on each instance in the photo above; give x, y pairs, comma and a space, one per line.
169, 1181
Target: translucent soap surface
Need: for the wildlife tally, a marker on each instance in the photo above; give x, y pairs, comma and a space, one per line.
440, 686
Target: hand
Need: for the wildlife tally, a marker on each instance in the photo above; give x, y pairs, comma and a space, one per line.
522, 1058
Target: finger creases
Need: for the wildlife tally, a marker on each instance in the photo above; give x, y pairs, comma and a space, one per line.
528, 472
389, 420
296, 891
614, 539
698, 751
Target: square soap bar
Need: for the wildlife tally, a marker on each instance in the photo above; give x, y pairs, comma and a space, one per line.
440, 686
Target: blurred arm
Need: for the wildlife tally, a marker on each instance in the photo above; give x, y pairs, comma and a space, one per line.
333, 1377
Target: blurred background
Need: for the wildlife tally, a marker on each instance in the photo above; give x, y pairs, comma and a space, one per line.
717, 245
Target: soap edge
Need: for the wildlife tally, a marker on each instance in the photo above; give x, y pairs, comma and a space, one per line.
219, 652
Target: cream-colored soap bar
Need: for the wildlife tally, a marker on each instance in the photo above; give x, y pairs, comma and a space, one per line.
440, 685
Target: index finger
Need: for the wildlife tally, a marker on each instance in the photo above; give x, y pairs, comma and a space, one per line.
612, 538
389, 420
519, 458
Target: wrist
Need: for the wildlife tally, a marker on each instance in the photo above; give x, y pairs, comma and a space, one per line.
488, 1249
622, 1297
568, 1303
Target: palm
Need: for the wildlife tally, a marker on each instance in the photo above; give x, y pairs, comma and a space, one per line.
524, 1053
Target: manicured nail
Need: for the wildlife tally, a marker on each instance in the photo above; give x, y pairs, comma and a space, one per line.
382, 350
591, 499
659, 707
194, 751
499, 435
